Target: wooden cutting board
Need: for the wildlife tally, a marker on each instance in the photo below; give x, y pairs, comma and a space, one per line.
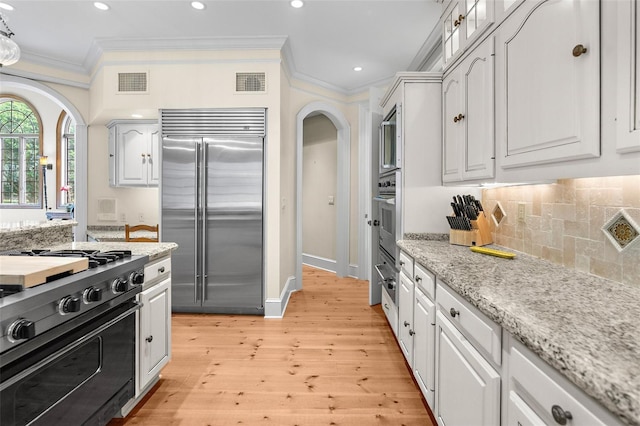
29, 271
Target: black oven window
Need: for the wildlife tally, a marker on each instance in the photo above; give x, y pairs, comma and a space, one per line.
52, 383
387, 221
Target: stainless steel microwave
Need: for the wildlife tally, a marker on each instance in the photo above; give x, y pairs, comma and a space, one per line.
390, 141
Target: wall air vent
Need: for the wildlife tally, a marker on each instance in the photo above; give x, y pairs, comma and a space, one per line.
250, 82
132, 82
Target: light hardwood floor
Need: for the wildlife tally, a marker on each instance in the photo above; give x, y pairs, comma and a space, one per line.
332, 360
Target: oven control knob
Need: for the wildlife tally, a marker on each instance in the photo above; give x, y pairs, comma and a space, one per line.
21, 330
136, 278
119, 285
91, 295
68, 305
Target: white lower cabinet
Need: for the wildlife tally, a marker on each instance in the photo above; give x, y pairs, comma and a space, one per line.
538, 395
155, 331
467, 386
405, 317
424, 319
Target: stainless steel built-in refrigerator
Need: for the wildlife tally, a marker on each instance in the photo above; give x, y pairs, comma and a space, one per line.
212, 207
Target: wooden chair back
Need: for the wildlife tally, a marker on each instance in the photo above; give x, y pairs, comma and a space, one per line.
128, 230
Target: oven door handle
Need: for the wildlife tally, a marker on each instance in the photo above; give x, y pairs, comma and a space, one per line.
391, 201
54, 356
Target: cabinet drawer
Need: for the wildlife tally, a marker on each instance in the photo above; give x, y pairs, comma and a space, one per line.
473, 324
406, 264
157, 269
390, 312
540, 393
426, 281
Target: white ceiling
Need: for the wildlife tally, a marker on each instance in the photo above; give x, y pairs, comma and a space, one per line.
325, 38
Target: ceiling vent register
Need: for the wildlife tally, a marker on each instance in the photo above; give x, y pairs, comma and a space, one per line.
250, 82
132, 82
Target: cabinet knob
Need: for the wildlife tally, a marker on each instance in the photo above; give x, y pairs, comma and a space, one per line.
161, 269
401, 263
579, 50
559, 415
457, 118
418, 278
149, 339
411, 332
458, 21
386, 306
406, 324
453, 312
143, 154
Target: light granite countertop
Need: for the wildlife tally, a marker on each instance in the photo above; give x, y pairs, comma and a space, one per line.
113, 233
153, 250
585, 326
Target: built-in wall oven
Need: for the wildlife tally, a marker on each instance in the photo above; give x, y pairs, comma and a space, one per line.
386, 202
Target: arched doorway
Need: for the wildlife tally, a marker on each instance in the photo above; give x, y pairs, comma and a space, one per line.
342, 194
10, 82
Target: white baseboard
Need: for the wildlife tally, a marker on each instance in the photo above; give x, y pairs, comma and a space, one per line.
274, 308
319, 262
353, 271
327, 264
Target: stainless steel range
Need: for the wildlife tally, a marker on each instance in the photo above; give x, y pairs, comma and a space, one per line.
67, 346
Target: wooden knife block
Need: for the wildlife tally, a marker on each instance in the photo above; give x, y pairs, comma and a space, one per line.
480, 234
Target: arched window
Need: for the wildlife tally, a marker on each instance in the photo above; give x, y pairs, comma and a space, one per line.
20, 148
66, 160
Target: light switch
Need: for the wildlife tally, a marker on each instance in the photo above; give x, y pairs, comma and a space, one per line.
332, 200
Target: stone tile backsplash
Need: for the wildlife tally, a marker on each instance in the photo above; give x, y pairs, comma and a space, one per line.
563, 223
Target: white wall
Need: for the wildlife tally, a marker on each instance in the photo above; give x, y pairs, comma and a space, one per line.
319, 180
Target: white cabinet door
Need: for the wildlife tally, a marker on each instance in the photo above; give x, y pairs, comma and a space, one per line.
405, 317
424, 319
131, 151
628, 115
463, 22
478, 121
549, 55
155, 331
467, 387
453, 130
468, 114
153, 159
134, 153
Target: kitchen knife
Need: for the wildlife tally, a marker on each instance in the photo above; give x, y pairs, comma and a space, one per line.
471, 212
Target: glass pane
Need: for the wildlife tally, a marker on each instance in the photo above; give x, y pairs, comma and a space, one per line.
471, 20
31, 171
10, 171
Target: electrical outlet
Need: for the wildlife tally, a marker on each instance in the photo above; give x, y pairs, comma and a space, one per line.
521, 211
141, 217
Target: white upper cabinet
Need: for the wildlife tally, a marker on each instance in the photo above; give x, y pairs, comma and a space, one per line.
462, 22
628, 112
135, 153
548, 73
468, 120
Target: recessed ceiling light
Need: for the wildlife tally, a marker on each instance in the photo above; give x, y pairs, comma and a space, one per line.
197, 5
357, 68
136, 115
5, 6
297, 3
100, 5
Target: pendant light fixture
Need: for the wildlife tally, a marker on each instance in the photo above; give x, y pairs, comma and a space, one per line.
9, 50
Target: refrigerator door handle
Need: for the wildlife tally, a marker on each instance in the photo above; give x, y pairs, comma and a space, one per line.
203, 239
197, 214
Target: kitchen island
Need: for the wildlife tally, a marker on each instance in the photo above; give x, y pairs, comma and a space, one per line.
582, 325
